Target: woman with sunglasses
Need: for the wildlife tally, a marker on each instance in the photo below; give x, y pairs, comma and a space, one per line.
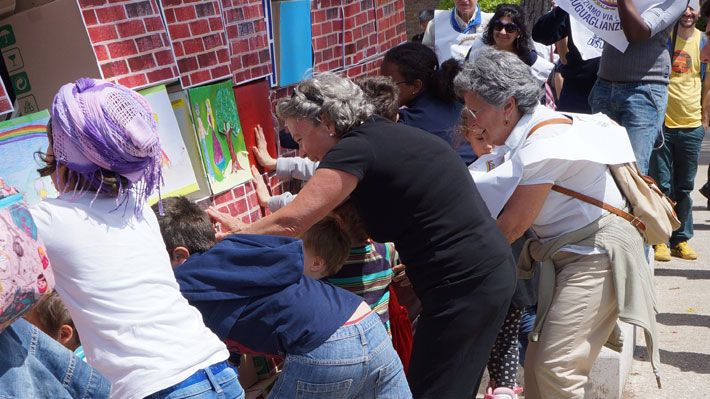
507, 31
426, 92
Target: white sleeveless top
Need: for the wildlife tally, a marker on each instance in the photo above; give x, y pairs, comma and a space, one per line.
449, 43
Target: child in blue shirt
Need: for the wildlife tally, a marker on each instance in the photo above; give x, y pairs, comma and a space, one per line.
252, 292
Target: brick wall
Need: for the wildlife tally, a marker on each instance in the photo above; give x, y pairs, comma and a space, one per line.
217, 39
360, 37
248, 40
411, 8
130, 41
390, 30
197, 35
327, 31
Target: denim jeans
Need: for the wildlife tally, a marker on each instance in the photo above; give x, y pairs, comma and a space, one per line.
639, 107
218, 381
674, 166
357, 361
33, 365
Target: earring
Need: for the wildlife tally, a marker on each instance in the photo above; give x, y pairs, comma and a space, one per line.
332, 134
506, 122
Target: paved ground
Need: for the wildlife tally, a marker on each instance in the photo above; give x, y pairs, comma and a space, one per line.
683, 289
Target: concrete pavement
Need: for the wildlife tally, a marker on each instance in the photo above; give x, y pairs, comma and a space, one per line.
683, 290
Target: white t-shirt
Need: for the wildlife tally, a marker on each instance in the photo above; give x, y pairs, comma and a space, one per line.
561, 213
114, 275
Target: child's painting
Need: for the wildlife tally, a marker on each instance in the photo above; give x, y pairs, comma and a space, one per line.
219, 136
20, 138
255, 109
178, 177
183, 116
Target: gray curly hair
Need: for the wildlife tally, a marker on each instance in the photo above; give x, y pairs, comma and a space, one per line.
339, 99
496, 76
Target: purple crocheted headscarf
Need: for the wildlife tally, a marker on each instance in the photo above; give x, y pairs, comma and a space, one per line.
99, 126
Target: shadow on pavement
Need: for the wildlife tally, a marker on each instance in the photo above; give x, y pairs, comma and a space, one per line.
701, 226
691, 274
683, 319
687, 361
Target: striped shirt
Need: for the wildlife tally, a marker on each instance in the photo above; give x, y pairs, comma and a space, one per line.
368, 272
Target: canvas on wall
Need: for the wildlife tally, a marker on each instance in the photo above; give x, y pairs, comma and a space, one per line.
20, 139
219, 136
255, 109
181, 109
178, 176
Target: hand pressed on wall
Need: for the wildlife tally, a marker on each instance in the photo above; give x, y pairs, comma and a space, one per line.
261, 153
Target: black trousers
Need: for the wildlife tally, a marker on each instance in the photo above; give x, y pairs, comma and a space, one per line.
457, 328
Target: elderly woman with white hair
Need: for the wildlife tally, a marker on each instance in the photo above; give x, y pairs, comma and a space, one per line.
410, 188
594, 270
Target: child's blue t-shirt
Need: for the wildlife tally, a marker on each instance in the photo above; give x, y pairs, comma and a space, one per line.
252, 293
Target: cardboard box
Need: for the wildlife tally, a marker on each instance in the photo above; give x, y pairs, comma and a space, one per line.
247, 372
44, 48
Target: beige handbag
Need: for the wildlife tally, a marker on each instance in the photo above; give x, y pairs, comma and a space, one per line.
651, 210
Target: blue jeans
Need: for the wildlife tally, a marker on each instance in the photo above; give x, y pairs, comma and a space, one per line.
33, 365
674, 166
639, 107
357, 361
218, 381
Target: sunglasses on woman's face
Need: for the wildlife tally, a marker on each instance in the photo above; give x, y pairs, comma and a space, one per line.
510, 27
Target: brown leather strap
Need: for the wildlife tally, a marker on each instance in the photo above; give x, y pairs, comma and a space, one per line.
564, 121
616, 211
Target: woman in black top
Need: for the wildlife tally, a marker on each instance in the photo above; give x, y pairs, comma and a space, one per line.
410, 188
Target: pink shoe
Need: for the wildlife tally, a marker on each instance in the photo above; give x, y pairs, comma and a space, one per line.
502, 393
489, 393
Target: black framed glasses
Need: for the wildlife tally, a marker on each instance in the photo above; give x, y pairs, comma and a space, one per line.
509, 27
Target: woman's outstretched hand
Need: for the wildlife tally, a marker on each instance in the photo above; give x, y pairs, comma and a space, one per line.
261, 153
230, 224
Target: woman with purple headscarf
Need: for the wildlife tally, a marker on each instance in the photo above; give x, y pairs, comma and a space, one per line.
111, 267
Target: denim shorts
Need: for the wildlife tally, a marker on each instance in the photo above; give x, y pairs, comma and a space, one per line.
218, 381
357, 361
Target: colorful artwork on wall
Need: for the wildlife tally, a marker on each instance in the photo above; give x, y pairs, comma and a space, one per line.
219, 136
178, 177
20, 139
255, 109
181, 108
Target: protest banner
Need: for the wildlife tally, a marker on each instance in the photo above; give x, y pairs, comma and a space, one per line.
602, 17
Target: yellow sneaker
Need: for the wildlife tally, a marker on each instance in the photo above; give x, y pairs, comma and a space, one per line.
661, 253
682, 250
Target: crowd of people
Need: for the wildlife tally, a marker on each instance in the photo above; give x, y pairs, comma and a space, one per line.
439, 231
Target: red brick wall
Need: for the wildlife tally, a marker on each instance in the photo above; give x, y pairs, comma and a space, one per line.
390, 27
198, 38
248, 40
327, 31
360, 38
130, 41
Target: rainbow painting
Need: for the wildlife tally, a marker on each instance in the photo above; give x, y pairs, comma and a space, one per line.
20, 139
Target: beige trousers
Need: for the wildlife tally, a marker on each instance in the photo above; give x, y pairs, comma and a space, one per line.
581, 317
